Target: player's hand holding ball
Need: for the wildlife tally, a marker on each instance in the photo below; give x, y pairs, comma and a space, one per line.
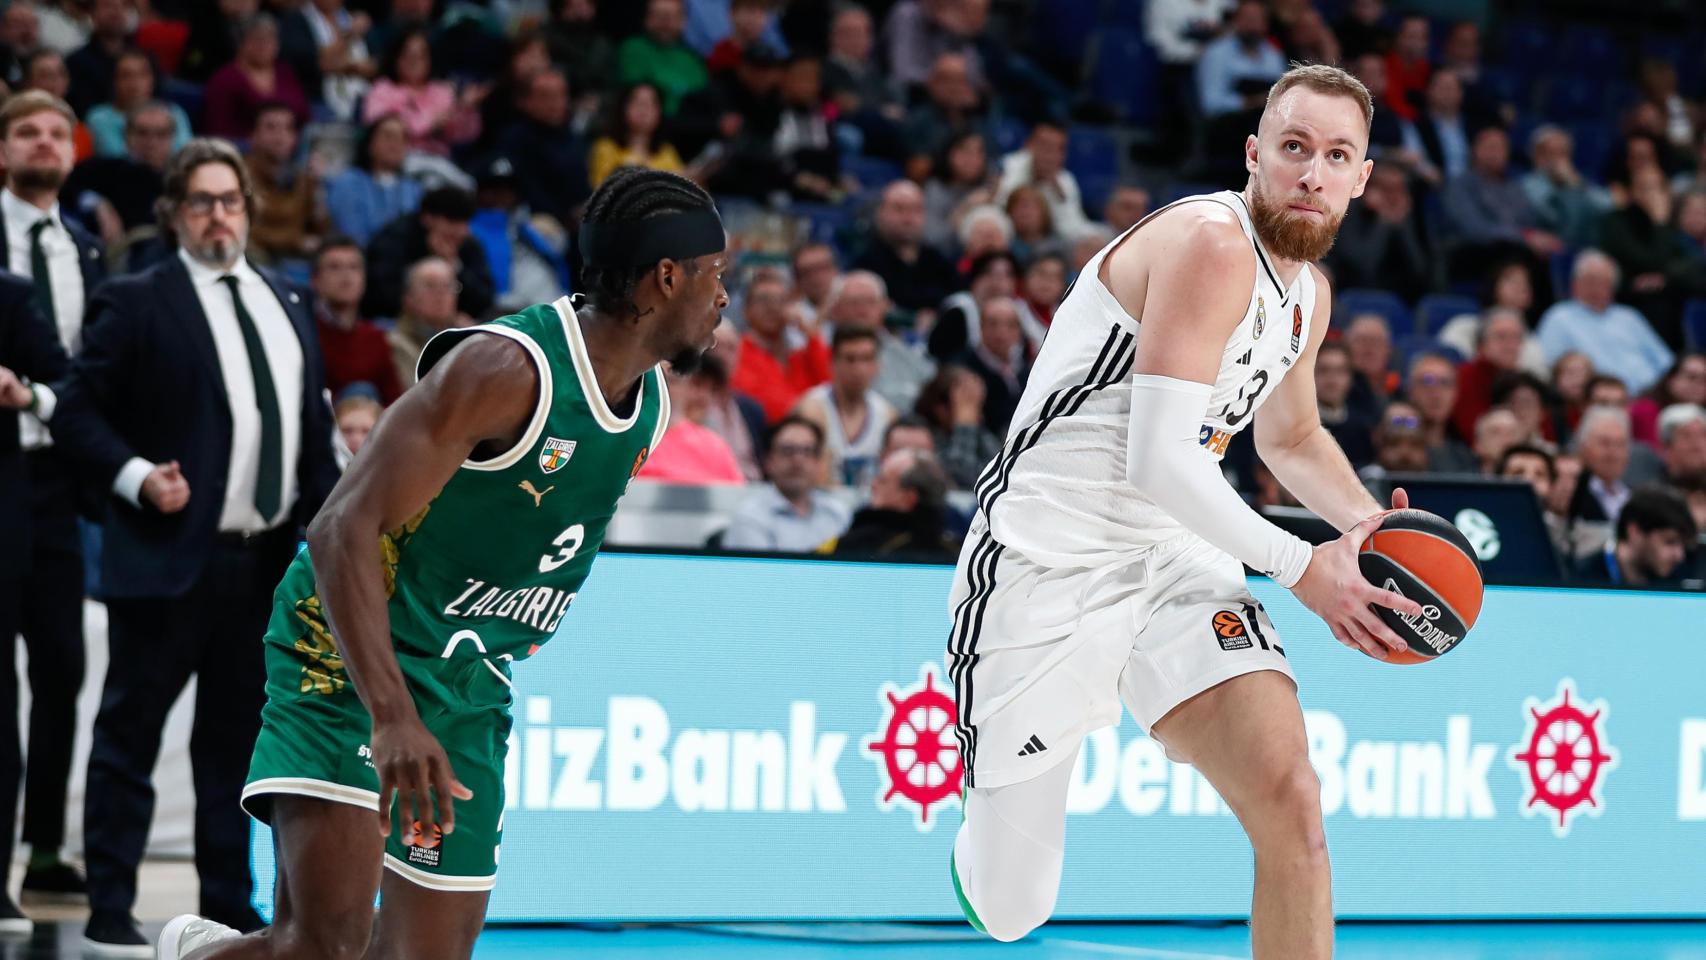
1334, 588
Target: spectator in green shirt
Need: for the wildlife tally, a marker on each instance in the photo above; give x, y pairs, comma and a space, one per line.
659, 57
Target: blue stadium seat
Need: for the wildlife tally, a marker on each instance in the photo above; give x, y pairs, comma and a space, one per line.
1588, 51
1124, 13
1694, 324
1410, 346
1506, 85
1127, 76
1594, 141
1062, 28
1562, 262
1010, 134
1094, 189
1572, 97
1435, 310
1527, 47
1091, 152
1349, 303
827, 223
871, 172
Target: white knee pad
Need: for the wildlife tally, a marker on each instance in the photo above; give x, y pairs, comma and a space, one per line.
1008, 854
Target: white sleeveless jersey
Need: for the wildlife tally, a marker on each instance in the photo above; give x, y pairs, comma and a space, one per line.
1058, 492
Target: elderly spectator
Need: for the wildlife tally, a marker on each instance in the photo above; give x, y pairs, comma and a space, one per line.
1126, 205
1432, 389
777, 360
1616, 336
1381, 241
428, 307
1602, 441
1508, 287
855, 418
1348, 425
435, 114
984, 230
999, 358
440, 229
257, 76
861, 302
1684, 382
1659, 271
691, 453
1682, 434
658, 56
355, 349
291, 218
633, 136
121, 191
918, 276
1373, 379
549, 156
952, 405
960, 324
132, 86
907, 515
960, 181
1497, 350
1041, 165
1654, 533
791, 514
211, 481
1236, 70
1400, 443
1496, 431
1563, 201
374, 191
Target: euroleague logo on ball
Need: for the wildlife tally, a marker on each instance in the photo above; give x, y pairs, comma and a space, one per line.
915, 750
1564, 757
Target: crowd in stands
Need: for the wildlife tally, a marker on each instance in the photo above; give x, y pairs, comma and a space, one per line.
913, 185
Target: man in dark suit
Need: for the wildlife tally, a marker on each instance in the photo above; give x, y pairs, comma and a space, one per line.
1655, 532
62, 265
199, 401
999, 361
29, 352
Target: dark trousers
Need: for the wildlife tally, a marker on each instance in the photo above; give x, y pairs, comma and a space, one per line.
213, 631
47, 608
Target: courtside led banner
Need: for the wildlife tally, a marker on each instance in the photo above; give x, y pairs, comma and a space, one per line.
714, 738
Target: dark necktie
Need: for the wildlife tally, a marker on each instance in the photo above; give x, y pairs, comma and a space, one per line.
269, 478
38, 270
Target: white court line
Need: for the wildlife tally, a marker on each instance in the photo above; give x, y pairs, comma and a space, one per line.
1145, 953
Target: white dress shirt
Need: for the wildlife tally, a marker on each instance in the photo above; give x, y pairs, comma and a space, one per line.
284, 357
65, 274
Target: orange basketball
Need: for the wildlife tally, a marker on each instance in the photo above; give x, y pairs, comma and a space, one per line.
1422, 556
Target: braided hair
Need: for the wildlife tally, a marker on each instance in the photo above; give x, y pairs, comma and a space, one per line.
627, 195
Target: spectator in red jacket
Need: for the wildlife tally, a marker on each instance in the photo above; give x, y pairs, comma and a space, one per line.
355, 350
1498, 347
777, 360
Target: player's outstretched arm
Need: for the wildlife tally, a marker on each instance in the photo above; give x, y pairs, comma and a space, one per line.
482, 393
1302, 454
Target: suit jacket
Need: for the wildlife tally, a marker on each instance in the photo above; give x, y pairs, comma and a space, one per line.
29, 347
148, 384
89, 255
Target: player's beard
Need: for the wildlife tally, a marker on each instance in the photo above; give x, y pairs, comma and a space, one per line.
687, 360
38, 179
1287, 235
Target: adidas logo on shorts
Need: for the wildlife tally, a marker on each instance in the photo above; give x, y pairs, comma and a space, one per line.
1032, 746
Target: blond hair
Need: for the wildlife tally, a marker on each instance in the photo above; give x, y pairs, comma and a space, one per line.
28, 103
1324, 79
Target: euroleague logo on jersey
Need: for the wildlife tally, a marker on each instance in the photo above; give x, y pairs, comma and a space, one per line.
917, 756
1296, 327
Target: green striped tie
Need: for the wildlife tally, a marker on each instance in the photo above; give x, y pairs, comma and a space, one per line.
38, 270
269, 478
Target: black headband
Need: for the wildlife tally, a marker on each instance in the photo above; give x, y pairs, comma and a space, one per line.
636, 243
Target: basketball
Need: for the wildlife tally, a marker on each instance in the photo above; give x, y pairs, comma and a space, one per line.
1425, 558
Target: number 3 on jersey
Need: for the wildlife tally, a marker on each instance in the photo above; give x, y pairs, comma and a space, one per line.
568, 543
1247, 396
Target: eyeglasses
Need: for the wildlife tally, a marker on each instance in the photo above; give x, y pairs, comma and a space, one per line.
153, 133
1403, 422
201, 204
793, 450
1436, 380
453, 286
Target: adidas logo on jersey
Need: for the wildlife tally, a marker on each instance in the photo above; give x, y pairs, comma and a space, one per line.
1245, 359
1032, 746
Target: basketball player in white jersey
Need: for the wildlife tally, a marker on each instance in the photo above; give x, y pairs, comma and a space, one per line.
1106, 559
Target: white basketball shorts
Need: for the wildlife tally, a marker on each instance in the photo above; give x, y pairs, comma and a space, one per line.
1041, 656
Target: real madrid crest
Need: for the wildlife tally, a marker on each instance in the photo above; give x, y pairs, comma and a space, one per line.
1261, 316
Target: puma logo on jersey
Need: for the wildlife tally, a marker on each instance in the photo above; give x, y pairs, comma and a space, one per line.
538, 495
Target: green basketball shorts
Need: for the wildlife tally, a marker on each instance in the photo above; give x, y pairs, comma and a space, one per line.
315, 736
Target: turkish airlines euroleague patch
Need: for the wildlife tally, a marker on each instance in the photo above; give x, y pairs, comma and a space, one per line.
1229, 630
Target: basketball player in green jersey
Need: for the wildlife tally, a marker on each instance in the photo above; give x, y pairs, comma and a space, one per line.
452, 548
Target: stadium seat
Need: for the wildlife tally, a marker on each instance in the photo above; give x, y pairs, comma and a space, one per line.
1126, 76
1588, 51
1572, 97
1505, 85
1063, 28
1410, 346
1694, 324
1125, 13
1562, 261
1349, 303
1435, 310
1094, 190
1010, 134
1092, 153
1594, 141
871, 172
1528, 48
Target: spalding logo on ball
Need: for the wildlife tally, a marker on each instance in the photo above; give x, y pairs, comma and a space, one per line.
1423, 557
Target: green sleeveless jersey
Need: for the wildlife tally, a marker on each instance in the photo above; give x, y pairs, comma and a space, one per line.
491, 565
